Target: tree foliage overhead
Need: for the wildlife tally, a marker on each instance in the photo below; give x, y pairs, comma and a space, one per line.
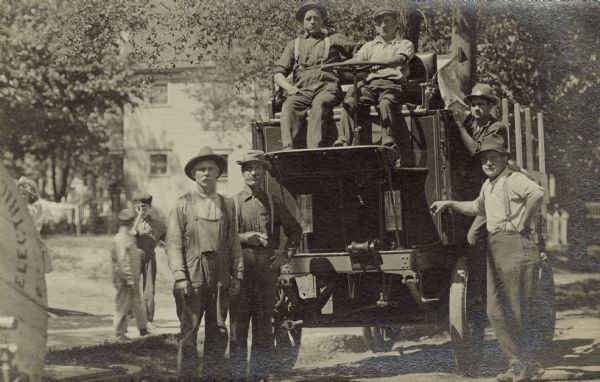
62, 74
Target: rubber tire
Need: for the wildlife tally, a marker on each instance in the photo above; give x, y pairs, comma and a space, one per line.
380, 338
467, 324
286, 343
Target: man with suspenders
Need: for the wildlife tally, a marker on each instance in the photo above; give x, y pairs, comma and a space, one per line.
509, 200
311, 88
205, 258
259, 218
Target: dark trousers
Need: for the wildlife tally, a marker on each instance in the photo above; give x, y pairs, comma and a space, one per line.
512, 273
255, 303
320, 99
387, 96
148, 283
190, 309
477, 238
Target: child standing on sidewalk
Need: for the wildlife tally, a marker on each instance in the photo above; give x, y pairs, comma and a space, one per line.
126, 261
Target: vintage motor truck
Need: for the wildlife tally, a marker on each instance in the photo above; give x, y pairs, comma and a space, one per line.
372, 255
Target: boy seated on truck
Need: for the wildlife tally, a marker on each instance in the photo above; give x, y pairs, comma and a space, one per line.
311, 87
384, 87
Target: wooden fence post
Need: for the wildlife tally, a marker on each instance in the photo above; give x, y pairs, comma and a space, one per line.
518, 136
564, 220
529, 140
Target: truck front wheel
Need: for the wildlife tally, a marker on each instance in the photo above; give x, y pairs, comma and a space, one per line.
467, 319
287, 330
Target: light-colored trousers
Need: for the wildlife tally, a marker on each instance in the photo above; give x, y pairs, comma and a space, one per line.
128, 297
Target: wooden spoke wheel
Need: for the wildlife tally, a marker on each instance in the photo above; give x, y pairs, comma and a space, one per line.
287, 332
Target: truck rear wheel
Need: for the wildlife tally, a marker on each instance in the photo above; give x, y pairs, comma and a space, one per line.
287, 331
467, 319
380, 338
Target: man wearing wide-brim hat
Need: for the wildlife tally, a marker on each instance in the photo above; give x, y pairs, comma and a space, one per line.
478, 125
311, 88
205, 258
509, 200
260, 218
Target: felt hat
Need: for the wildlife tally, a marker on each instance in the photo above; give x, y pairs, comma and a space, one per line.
205, 153
382, 12
494, 142
308, 6
254, 156
483, 91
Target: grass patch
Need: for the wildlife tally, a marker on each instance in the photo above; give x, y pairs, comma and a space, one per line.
156, 355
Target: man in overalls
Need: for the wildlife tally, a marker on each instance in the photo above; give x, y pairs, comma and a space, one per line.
260, 217
149, 232
509, 200
311, 88
205, 258
384, 87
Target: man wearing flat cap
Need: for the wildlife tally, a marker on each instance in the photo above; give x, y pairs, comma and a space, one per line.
311, 88
149, 232
205, 258
384, 87
126, 259
260, 217
509, 200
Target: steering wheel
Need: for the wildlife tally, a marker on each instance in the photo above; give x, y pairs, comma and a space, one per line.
354, 67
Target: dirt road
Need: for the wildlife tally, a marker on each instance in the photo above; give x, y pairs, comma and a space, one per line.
337, 354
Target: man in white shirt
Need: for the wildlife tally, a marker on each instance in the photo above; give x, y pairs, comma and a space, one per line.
509, 200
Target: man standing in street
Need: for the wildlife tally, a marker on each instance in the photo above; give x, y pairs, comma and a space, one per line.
311, 88
509, 200
260, 217
205, 258
149, 232
126, 258
385, 87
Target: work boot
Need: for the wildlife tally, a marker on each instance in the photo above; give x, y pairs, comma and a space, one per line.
529, 371
510, 374
144, 332
123, 338
340, 143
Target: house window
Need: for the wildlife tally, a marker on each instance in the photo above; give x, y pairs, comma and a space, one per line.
224, 154
157, 95
158, 164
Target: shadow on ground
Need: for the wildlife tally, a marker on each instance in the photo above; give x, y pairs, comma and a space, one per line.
155, 355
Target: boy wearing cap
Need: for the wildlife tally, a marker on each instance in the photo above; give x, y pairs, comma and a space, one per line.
149, 232
385, 87
205, 258
509, 200
311, 88
260, 217
126, 258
